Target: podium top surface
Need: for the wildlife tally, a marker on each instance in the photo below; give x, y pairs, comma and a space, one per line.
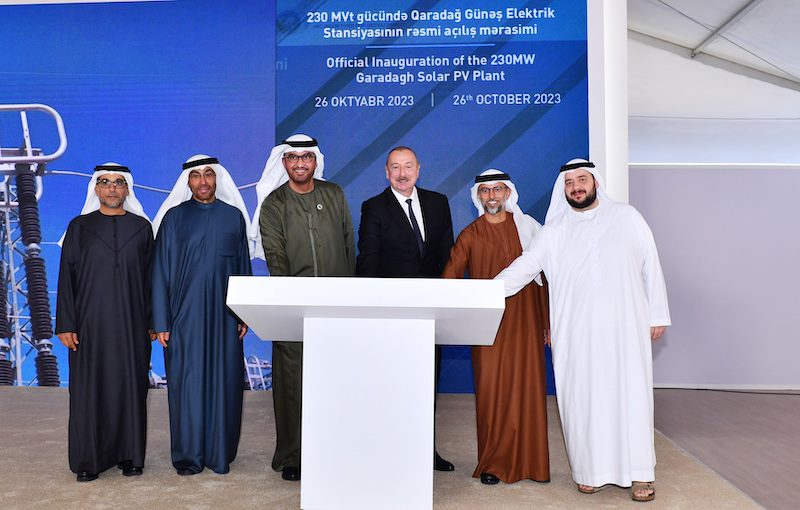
467, 312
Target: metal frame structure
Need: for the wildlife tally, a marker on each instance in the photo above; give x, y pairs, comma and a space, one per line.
258, 373
20, 338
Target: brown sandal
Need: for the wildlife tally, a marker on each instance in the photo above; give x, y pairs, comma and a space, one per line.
590, 489
643, 486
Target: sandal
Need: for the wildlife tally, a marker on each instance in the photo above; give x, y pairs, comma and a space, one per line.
648, 487
588, 489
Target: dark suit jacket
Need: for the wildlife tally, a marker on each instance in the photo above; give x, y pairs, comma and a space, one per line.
386, 243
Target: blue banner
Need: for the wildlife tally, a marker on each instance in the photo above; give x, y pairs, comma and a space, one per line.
470, 85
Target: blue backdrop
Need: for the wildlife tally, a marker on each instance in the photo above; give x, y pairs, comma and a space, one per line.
148, 84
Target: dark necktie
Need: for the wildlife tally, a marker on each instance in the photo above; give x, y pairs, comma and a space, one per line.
415, 226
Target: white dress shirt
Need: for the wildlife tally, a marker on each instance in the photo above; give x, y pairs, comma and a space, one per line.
414, 206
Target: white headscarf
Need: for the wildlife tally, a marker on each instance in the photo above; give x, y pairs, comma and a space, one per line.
92, 203
226, 189
527, 226
274, 175
558, 201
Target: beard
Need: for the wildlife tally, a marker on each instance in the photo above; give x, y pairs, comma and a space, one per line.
588, 200
493, 210
112, 202
306, 175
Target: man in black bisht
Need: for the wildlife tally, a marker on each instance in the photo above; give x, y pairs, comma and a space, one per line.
103, 318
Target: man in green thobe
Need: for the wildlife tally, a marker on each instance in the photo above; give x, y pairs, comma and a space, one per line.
306, 230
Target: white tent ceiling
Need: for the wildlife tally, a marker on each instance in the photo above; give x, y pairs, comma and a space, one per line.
714, 80
759, 34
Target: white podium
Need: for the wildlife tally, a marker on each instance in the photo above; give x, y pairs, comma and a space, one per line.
368, 375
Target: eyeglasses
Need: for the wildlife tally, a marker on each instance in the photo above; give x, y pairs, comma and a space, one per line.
306, 157
105, 183
497, 190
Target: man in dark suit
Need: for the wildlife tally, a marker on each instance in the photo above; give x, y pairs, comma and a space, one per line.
405, 232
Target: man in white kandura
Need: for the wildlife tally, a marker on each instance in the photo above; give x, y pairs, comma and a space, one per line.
608, 301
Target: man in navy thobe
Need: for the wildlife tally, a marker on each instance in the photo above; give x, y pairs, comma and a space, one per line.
200, 242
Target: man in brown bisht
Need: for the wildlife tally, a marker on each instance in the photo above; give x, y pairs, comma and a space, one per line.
509, 375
